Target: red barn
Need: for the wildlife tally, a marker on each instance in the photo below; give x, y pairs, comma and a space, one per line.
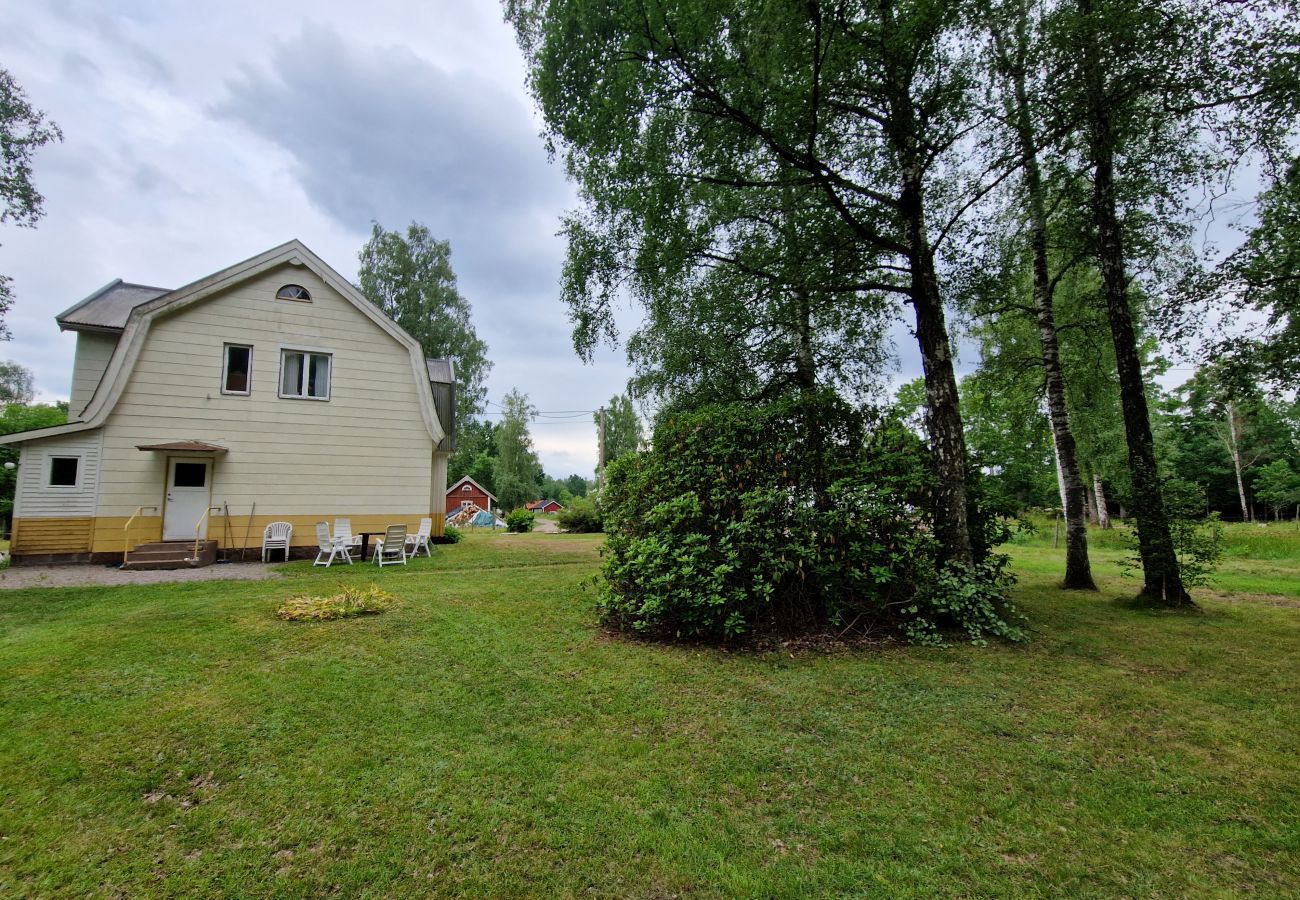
545, 506
467, 491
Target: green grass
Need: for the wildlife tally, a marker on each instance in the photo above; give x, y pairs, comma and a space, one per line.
482, 738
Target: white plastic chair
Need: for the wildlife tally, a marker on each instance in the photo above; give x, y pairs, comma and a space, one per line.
331, 545
343, 533
277, 537
391, 548
420, 540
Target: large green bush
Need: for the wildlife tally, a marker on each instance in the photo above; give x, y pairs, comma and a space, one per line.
581, 516
793, 517
520, 521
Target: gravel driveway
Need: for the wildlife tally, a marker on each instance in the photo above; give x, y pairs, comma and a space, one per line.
78, 575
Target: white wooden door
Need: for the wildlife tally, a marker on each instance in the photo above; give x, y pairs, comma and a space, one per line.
189, 485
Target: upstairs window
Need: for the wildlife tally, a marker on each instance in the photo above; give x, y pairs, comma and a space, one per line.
466, 489
305, 375
64, 471
293, 292
236, 374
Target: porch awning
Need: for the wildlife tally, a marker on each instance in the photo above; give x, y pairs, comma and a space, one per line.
184, 446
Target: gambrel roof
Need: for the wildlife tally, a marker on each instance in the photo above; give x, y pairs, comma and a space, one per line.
108, 308
102, 309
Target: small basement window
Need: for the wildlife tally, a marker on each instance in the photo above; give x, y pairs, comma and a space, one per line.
293, 292
236, 375
64, 471
304, 375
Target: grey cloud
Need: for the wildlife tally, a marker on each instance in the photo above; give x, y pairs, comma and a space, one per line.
78, 67
381, 134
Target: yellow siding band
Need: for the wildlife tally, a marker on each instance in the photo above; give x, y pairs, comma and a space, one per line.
104, 534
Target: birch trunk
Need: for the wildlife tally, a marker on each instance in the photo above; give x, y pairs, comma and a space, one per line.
1078, 569
1103, 514
1234, 450
1162, 581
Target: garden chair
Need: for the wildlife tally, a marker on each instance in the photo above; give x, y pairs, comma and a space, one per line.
343, 533
420, 540
330, 545
277, 537
391, 548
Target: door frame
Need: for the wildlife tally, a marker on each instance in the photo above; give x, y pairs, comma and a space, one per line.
167, 486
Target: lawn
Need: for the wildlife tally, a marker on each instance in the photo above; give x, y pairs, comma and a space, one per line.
485, 739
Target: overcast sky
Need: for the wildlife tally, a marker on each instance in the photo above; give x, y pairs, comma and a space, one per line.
194, 140
198, 135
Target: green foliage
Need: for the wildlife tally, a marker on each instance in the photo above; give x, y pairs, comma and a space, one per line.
475, 452
1198, 537
451, 535
23, 130
1264, 275
581, 516
520, 521
1278, 485
348, 603
516, 472
17, 417
791, 517
622, 428
577, 486
16, 383
410, 278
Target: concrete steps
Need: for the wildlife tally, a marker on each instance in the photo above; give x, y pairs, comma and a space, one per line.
171, 555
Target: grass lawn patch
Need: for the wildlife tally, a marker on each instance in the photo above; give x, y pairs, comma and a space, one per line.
484, 738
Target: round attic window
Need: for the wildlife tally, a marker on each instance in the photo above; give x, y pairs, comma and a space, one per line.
293, 292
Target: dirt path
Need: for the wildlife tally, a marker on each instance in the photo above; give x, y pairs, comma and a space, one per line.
79, 575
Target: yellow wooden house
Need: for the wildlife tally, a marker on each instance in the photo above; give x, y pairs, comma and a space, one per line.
269, 391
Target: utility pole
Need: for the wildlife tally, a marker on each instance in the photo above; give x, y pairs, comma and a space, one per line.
600, 453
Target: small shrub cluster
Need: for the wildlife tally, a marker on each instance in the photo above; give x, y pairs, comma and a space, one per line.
581, 516
450, 535
346, 604
793, 517
520, 521
1197, 536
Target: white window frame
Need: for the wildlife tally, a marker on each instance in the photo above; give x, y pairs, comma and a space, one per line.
49, 471
466, 488
307, 353
288, 284
225, 365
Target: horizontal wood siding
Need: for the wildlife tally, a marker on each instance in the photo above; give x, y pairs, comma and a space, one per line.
365, 451
93, 353
51, 535
34, 497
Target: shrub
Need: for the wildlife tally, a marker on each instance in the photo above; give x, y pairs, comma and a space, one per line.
520, 521
346, 604
581, 516
450, 535
1197, 537
790, 517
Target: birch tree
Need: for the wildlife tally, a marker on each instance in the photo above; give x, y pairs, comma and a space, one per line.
865, 105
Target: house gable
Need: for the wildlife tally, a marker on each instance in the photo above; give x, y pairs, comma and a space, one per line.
292, 257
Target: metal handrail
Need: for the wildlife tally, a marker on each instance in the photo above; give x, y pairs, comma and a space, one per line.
199, 525
126, 531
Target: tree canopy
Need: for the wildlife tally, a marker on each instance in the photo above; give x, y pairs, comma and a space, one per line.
410, 278
23, 130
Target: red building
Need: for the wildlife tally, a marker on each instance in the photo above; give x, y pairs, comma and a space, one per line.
467, 491
545, 506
